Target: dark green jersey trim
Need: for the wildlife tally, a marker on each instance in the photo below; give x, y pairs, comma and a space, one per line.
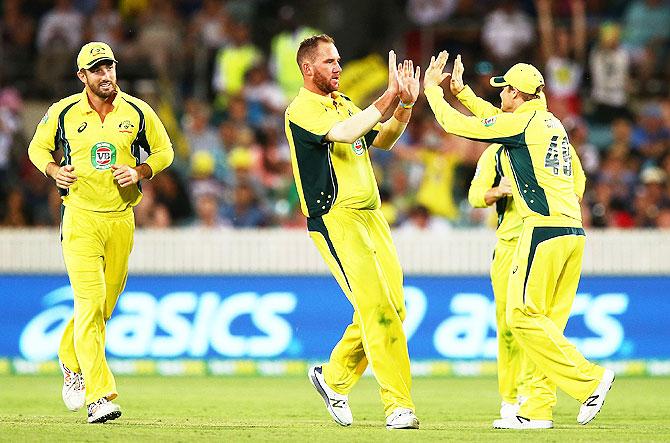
317, 224
61, 141
370, 137
140, 141
501, 203
524, 176
317, 175
541, 234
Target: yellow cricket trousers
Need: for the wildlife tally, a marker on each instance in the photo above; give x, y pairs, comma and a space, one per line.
514, 369
96, 247
542, 287
358, 249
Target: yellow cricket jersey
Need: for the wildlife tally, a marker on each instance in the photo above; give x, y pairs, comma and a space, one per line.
92, 146
329, 174
537, 153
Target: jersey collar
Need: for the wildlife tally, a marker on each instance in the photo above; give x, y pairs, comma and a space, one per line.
85, 106
327, 100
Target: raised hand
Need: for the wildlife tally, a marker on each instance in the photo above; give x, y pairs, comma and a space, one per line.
456, 84
434, 74
393, 85
409, 82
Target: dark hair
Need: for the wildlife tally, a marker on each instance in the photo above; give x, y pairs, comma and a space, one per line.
309, 45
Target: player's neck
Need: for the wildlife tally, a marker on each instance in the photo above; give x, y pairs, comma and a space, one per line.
102, 106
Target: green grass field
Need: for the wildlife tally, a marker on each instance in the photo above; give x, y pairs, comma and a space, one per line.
287, 409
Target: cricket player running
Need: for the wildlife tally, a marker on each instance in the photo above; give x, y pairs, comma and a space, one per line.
329, 138
101, 131
547, 259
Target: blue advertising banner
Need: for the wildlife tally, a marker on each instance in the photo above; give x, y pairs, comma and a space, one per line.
302, 317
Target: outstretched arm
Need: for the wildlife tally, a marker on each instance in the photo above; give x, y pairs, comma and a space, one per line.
353, 128
478, 106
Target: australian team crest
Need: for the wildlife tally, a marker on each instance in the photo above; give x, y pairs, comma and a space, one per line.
358, 146
126, 126
103, 155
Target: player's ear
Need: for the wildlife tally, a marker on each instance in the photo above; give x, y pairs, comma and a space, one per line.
82, 76
307, 70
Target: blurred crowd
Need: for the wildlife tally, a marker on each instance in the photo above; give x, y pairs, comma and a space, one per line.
220, 74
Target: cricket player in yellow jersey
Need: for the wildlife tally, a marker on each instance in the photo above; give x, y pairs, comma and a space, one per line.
490, 187
329, 138
101, 132
547, 260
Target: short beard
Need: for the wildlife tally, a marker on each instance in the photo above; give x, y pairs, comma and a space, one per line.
103, 95
323, 83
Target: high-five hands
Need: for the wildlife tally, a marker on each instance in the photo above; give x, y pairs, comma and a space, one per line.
456, 84
393, 85
434, 75
409, 81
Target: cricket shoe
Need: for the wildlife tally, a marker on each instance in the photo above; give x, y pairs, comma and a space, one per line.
509, 410
518, 422
74, 390
102, 411
402, 418
337, 404
595, 402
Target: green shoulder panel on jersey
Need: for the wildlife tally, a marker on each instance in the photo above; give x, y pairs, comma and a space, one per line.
541, 234
501, 203
370, 137
317, 175
524, 174
140, 141
61, 141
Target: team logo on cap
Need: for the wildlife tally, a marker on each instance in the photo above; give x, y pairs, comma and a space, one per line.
103, 155
358, 146
97, 50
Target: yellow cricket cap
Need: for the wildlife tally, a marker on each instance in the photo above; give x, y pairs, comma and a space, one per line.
522, 76
93, 52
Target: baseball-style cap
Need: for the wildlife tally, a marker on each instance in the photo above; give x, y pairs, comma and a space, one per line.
92, 53
522, 76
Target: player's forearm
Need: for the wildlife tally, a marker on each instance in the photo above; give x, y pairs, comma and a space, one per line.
477, 105
393, 128
492, 195
158, 161
476, 196
353, 128
144, 171
41, 158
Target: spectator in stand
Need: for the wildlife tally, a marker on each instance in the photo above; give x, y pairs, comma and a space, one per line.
245, 211
59, 36
105, 24
232, 63
17, 31
609, 65
15, 211
421, 220
202, 137
646, 24
564, 54
265, 99
507, 33
578, 134
651, 197
207, 212
651, 138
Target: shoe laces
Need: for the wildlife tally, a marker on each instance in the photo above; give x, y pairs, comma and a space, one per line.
93, 406
73, 379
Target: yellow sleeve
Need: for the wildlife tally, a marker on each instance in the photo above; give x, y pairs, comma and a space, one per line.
478, 106
40, 150
484, 178
160, 151
506, 128
578, 173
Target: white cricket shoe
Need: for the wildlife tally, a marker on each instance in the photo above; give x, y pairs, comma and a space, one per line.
102, 411
337, 404
74, 390
402, 418
518, 422
509, 410
595, 402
